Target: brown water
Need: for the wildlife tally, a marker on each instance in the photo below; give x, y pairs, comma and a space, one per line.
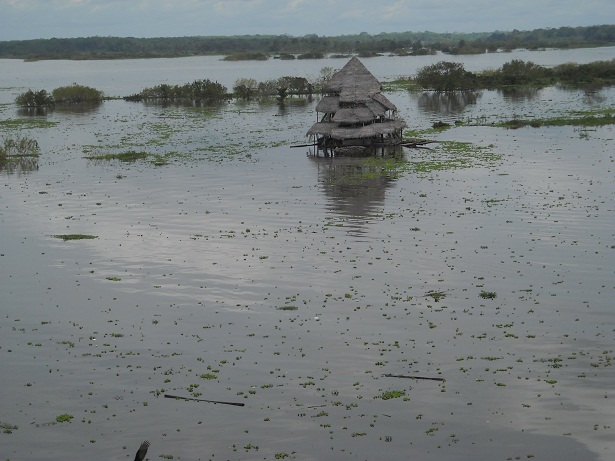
297, 286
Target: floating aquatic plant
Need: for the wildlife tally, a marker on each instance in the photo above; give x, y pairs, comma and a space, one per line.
387, 395
66, 237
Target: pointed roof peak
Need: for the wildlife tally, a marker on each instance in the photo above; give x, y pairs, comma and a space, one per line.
354, 76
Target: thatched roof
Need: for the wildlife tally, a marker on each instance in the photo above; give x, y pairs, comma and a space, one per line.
353, 82
377, 103
328, 104
381, 99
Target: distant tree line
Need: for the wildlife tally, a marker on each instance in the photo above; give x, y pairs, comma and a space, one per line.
312, 45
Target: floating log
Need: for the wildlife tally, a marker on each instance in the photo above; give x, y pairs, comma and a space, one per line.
178, 397
389, 375
140, 456
416, 143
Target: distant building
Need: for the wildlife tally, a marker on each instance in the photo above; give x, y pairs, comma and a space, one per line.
355, 112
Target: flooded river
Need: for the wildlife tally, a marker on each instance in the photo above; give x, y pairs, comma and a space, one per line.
229, 266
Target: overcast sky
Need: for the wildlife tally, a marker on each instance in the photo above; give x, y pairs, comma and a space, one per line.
27, 19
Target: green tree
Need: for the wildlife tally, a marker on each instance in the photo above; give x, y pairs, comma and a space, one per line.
76, 94
245, 88
445, 76
519, 72
35, 99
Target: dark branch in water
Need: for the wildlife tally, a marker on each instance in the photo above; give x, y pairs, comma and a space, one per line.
237, 404
389, 375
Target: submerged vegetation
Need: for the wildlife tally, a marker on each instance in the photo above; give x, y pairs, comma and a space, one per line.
18, 147
205, 91
585, 118
73, 94
19, 154
40, 98
452, 76
76, 94
7, 428
248, 88
128, 156
27, 123
132, 156
197, 92
67, 237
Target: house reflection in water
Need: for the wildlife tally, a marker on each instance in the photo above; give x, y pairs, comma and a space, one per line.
355, 188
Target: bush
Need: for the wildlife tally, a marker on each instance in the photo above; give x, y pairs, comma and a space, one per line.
599, 72
34, 99
196, 92
246, 57
519, 72
295, 85
311, 55
445, 76
245, 88
76, 94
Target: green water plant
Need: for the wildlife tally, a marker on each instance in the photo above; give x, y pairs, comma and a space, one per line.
64, 418
26, 123
67, 237
387, 395
127, 156
436, 295
578, 118
488, 294
7, 428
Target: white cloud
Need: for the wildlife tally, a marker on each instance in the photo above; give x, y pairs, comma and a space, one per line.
294, 5
396, 10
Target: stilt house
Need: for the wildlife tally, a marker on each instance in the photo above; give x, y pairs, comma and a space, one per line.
355, 112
